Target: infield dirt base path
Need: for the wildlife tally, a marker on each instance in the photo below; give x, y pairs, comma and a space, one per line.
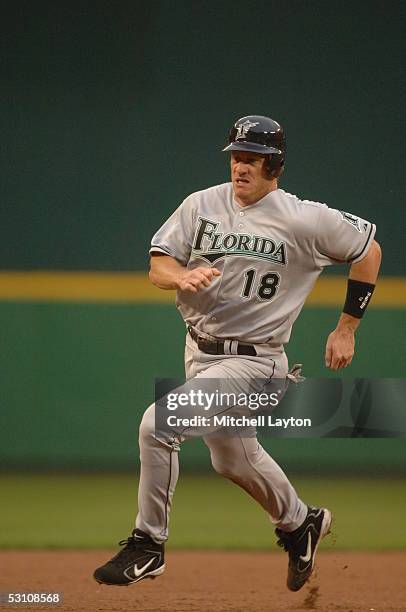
211, 581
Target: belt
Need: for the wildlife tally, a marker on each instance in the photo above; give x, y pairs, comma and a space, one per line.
216, 347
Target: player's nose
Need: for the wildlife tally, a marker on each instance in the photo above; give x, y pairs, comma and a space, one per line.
241, 168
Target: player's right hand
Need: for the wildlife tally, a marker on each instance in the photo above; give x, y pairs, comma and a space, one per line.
197, 279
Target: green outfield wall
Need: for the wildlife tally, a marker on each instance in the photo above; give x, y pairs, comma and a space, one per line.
112, 112
76, 378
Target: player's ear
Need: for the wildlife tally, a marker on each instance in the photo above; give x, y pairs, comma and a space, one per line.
272, 171
265, 168
279, 171
269, 172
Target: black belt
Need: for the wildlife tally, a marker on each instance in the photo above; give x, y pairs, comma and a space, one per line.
216, 347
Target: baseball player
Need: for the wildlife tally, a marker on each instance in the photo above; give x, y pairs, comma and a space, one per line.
243, 256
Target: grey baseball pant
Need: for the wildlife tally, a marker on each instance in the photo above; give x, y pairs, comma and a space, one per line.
240, 459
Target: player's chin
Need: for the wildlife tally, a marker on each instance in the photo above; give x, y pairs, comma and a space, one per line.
241, 187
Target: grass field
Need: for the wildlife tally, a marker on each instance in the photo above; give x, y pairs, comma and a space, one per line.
95, 511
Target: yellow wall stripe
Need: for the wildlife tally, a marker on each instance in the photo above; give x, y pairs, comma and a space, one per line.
135, 287
81, 287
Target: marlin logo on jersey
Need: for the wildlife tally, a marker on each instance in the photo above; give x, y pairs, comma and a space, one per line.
212, 245
352, 220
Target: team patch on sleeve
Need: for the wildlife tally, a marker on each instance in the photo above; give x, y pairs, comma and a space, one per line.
353, 220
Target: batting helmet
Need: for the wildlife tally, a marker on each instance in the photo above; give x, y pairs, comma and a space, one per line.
260, 135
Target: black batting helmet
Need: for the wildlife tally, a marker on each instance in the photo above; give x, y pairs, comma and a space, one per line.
260, 135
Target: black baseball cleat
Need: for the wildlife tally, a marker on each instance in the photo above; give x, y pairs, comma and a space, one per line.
140, 558
302, 544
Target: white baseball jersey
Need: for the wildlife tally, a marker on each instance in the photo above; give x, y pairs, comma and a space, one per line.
269, 254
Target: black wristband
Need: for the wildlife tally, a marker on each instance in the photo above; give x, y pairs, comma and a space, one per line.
358, 297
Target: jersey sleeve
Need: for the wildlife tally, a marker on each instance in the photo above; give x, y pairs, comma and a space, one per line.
341, 237
175, 236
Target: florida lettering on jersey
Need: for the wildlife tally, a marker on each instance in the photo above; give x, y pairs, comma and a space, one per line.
212, 245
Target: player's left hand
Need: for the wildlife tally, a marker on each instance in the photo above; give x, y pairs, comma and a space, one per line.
340, 348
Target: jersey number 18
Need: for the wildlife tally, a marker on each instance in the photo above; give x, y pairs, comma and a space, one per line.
267, 286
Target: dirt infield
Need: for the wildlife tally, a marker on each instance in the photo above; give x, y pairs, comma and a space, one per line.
212, 581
